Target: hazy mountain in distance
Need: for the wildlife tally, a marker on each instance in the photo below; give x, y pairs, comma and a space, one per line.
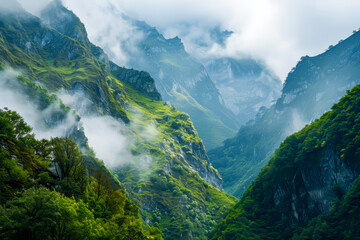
245, 85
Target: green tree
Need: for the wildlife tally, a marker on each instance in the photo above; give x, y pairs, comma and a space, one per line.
69, 165
44, 214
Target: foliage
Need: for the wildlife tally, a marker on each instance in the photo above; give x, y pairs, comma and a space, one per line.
32, 206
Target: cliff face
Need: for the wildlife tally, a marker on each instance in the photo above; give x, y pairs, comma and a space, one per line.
310, 89
309, 175
140, 80
311, 191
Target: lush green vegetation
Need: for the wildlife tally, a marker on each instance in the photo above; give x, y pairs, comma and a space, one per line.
62, 203
265, 213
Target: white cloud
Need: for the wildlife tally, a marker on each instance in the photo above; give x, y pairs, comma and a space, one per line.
105, 136
111, 139
33, 6
12, 98
108, 137
277, 31
106, 27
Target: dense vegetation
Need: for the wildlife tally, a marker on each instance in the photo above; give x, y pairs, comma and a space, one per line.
169, 175
310, 89
62, 203
311, 169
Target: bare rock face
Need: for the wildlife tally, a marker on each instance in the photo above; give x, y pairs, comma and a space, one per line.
140, 80
312, 191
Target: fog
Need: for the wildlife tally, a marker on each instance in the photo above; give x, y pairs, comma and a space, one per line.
12, 98
110, 139
33, 6
107, 27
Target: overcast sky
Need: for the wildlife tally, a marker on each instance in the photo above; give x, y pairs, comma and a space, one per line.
276, 31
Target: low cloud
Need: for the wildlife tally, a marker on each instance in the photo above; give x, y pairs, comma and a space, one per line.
111, 139
42, 121
105, 136
32, 6
107, 28
297, 122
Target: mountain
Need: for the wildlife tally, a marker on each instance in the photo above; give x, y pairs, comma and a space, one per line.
245, 85
182, 80
309, 90
151, 147
309, 188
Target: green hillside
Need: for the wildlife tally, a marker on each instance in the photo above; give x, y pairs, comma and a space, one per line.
300, 193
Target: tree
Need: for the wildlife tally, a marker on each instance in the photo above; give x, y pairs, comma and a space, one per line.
69, 165
44, 214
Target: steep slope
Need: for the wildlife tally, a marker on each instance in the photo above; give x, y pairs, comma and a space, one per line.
244, 84
309, 90
164, 164
310, 170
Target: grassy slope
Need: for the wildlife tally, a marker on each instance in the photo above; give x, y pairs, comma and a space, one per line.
211, 129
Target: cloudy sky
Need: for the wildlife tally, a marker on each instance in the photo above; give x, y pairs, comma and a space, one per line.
278, 32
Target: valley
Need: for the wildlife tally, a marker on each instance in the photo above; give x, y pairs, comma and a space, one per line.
118, 130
